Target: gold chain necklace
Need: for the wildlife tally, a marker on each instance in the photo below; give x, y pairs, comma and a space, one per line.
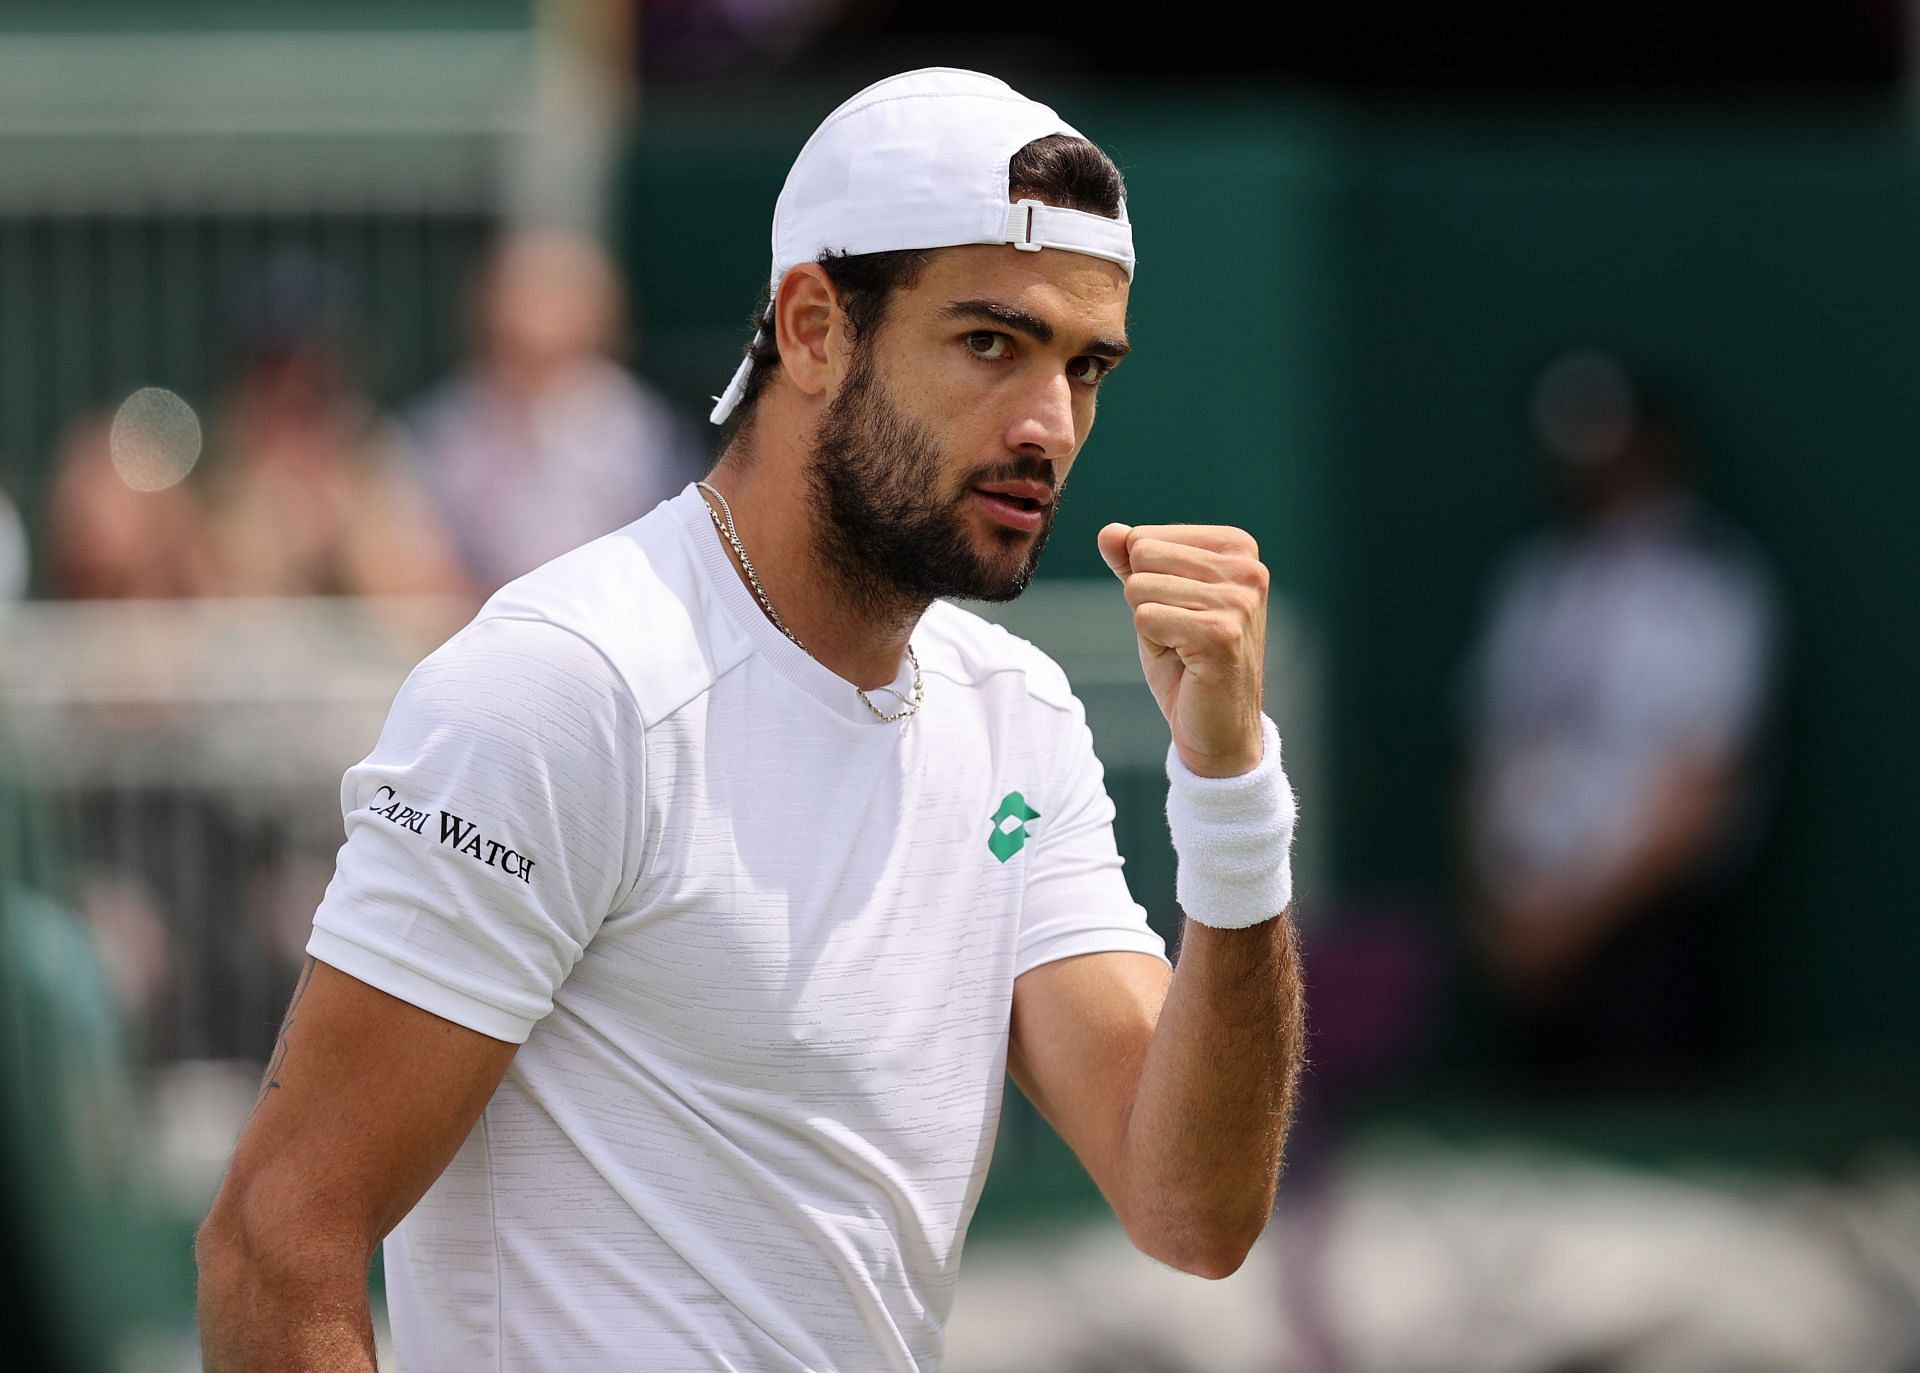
909, 702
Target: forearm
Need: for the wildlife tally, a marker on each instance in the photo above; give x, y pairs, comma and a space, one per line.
1679, 827
1209, 1121
307, 1317
1198, 1158
1544, 931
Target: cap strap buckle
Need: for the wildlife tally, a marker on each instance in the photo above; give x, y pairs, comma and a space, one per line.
1020, 226
1034, 224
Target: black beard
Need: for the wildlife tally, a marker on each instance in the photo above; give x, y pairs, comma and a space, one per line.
894, 539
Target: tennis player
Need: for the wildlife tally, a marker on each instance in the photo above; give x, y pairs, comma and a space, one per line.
698, 896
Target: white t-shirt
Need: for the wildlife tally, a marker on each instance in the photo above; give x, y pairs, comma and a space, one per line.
1613, 653
758, 946
520, 481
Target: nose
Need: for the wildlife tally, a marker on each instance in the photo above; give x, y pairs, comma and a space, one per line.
1043, 425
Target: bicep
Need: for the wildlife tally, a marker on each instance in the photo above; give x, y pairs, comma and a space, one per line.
1081, 1027
366, 1101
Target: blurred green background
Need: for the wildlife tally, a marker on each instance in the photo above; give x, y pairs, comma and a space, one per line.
1340, 306
1336, 320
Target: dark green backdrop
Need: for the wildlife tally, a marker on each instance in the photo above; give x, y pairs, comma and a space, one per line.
1336, 318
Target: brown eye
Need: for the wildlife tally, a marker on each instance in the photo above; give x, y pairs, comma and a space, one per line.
1090, 370
988, 347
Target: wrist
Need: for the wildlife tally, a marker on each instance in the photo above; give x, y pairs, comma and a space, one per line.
1233, 835
1215, 766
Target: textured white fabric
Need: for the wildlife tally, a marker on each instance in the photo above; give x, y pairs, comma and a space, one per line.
920, 160
762, 963
1233, 837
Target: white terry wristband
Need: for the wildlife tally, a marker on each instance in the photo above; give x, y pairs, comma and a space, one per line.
1232, 836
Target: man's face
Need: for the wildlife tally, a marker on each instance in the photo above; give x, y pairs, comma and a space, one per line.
938, 464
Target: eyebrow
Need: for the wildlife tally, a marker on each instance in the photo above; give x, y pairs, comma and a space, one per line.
1029, 324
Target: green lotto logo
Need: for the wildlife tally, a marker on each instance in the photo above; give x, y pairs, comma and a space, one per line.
1010, 826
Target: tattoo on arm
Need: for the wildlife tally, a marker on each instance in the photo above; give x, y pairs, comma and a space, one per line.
271, 1081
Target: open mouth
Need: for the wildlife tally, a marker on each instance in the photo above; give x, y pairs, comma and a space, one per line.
1013, 508
1018, 502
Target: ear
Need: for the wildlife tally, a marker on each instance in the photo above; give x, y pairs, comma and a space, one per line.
810, 329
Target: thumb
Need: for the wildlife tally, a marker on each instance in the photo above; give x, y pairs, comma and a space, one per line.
1113, 548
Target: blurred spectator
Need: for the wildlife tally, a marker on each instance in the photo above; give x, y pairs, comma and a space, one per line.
307, 491
1620, 696
109, 539
543, 442
14, 561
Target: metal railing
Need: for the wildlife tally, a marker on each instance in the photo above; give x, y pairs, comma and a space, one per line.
189, 756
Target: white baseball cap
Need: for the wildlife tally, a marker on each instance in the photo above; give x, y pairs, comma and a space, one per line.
920, 160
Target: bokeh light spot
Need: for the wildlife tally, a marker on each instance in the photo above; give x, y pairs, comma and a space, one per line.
155, 439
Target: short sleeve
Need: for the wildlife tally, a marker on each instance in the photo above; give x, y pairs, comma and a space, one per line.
490, 830
1707, 665
1077, 900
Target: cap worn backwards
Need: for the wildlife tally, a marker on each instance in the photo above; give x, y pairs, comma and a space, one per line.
917, 161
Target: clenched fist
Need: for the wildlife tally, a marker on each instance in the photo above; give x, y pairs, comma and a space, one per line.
1199, 598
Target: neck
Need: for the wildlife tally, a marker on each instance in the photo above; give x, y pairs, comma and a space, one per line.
847, 626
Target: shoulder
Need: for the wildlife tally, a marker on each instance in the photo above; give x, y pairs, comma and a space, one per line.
517, 682
1703, 574
637, 599
971, 652
1726, 551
